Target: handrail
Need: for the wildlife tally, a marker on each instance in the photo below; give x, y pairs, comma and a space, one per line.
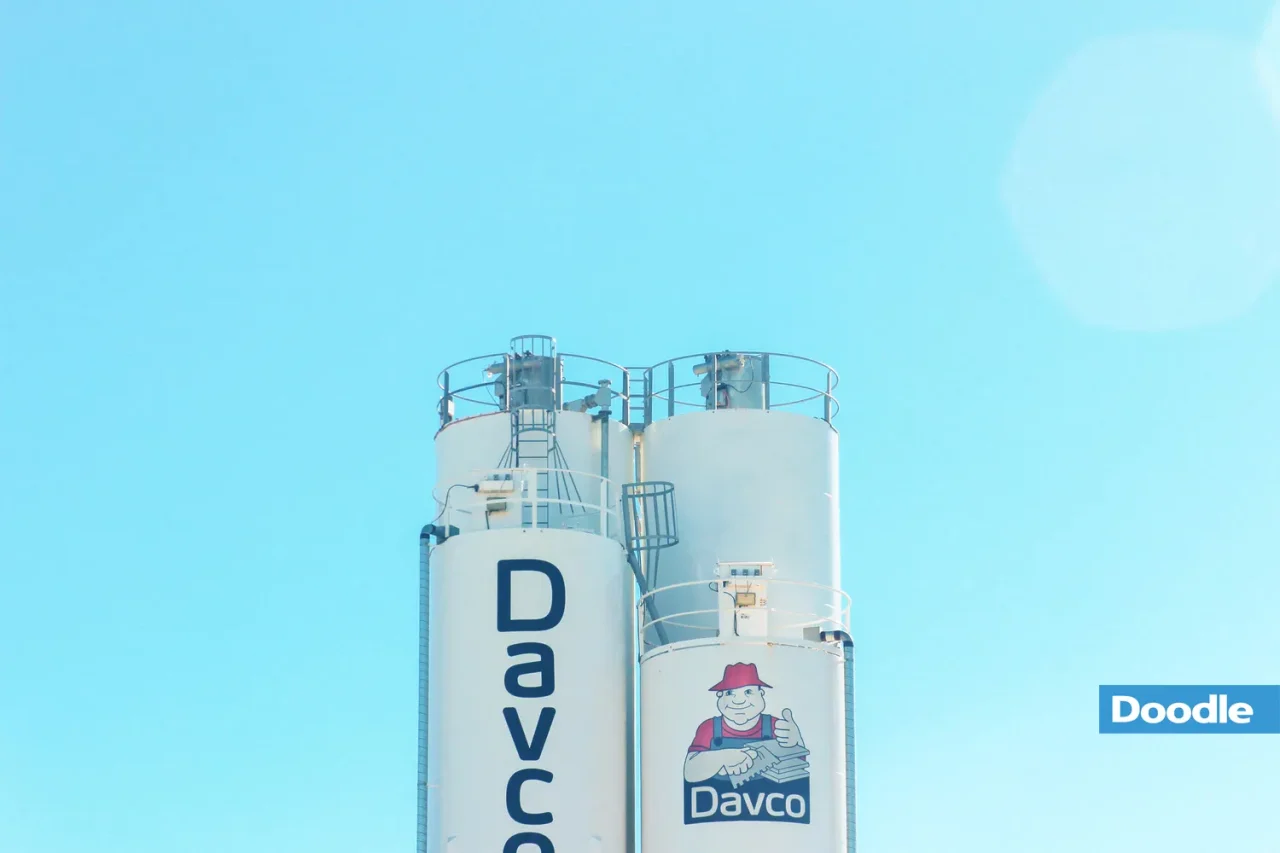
787, 355
477, 507
711, 582
650, 615
661, 385
621, 394
482, 403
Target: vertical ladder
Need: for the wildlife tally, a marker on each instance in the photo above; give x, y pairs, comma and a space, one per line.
637, 397
533, 446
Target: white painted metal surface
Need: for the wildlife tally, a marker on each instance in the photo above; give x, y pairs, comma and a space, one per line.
495, 774
690, 803
466, 447
751, 486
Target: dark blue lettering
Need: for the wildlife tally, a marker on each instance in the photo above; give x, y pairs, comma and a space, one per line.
544, 667
507, 622
529, 750
515, 842
517, 812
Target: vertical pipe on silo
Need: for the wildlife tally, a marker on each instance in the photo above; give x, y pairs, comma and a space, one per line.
850, 765
445, 401
506, 378
764, 379
671, 389
633, 739
648, 396
715, 382
634, 784
557, 391
851, 774
605, 493
424, 660
826, 400
626, 397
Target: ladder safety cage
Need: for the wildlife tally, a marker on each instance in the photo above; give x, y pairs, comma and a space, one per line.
649, 526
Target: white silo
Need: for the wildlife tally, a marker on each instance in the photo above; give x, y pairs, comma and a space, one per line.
746, 663
527, 724
712, 490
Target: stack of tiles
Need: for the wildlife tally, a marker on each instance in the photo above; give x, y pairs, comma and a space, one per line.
775, 763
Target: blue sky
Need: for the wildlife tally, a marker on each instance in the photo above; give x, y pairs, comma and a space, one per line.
237, 240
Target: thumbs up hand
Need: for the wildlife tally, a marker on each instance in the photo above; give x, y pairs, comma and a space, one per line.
786, 731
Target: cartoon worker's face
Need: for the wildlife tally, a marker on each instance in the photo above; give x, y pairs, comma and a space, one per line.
741, 706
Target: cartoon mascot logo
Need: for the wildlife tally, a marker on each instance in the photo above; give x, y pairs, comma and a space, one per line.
745, 764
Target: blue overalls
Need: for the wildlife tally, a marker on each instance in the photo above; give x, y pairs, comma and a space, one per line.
720, 741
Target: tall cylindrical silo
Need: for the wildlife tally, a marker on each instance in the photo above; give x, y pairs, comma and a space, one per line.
530, 692
746, 661
527, 723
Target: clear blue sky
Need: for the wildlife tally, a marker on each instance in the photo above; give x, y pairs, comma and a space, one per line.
238, 239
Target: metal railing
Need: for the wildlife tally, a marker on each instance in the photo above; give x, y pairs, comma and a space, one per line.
554, 498
704, 623
787, 382
458, 401
574, 376
791, 382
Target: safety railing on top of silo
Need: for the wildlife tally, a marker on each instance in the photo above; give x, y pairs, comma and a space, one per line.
461, 396
740, 379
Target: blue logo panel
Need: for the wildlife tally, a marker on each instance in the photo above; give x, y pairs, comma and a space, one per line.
1189, 709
